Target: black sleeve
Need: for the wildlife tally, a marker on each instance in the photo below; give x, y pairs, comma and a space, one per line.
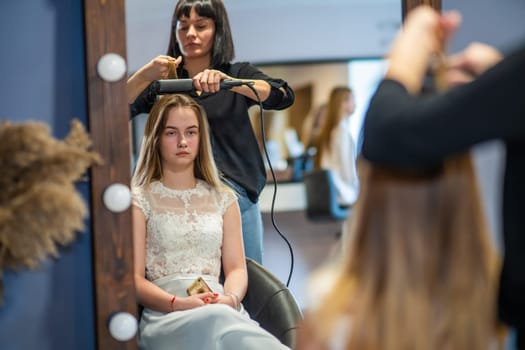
143, 103
401, 129
277, 99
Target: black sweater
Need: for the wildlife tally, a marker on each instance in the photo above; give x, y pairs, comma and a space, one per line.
235, 147
405, 130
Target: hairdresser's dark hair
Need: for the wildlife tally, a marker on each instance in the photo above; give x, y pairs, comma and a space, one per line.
222, 51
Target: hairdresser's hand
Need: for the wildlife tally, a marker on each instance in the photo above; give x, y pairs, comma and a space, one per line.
194, 301
468, 64
157, 68
424, 35
209, 80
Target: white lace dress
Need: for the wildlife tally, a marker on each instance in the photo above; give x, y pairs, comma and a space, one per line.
183, 241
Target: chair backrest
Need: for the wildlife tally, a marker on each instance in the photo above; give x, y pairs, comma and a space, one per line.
271, 304
321, 197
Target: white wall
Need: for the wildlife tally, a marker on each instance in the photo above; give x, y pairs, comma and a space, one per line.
271, 31
315, 30
497, 22
268, 31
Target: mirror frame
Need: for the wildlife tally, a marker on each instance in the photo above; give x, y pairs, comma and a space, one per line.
108, 116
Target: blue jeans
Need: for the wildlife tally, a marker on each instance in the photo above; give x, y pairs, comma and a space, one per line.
252, 226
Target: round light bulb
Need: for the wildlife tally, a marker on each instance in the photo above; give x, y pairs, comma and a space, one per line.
111, 67
117, 197
123, 326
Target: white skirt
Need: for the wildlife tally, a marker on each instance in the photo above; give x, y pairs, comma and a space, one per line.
213, 326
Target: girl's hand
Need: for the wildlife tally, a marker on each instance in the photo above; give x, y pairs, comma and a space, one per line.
194, 301
228, 299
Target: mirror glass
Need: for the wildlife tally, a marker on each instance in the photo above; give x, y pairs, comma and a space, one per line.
282, 32
288, 133
314, 45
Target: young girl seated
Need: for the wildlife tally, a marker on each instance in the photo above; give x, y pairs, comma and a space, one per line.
187, 227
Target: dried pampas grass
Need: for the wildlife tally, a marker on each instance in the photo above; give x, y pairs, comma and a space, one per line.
39, 205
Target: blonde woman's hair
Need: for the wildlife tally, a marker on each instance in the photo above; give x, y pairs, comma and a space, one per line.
149, 164
332, 117
421, 272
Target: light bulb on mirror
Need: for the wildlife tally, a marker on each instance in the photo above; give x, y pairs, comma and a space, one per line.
111, 67
117, 197
122, 326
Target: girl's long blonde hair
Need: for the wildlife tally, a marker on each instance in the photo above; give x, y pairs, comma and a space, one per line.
149, 164
421, 271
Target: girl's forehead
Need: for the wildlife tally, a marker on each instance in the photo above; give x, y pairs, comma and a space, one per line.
182, 115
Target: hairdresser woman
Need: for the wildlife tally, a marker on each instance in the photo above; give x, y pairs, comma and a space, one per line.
403, 128
201, 46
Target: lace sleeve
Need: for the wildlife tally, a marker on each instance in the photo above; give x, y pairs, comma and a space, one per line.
226, 199
140, 201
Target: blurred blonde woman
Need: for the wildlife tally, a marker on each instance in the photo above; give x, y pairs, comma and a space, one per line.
312, 126
336, 149
421, 272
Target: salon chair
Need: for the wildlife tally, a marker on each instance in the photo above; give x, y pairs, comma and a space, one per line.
271, 304
321, 197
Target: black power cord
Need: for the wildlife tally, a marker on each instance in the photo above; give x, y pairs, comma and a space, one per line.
272, 211
169, 86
